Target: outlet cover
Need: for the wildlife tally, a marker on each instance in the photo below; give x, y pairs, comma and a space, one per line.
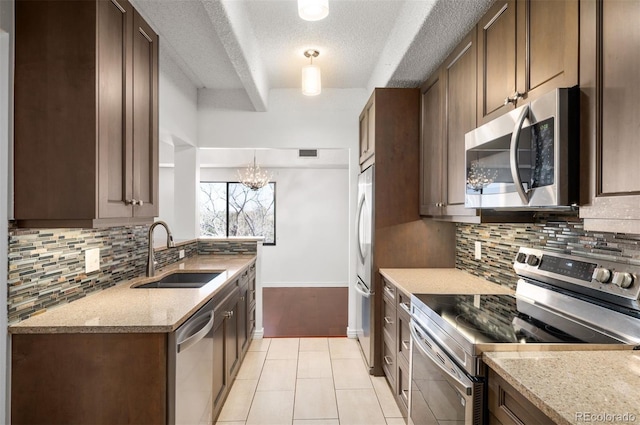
181, 253
92, 260
478, 255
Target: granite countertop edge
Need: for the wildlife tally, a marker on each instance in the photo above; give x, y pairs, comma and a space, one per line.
441, 281
79, 317
524, 390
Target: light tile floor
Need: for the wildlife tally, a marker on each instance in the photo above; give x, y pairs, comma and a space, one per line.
308, 381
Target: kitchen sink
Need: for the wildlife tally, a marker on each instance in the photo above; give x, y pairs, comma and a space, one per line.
181, 280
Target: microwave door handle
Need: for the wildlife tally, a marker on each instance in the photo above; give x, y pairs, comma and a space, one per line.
515, 142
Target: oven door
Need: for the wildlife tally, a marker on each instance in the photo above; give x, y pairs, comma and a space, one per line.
440, 391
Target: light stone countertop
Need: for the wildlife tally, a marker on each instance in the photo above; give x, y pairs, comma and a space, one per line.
575, 387
122, 309
441, 281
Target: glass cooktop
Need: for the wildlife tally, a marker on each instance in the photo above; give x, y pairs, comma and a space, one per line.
496, 319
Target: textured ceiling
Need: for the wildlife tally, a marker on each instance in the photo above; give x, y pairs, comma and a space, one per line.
257, 45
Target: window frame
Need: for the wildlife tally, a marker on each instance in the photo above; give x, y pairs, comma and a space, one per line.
227, 183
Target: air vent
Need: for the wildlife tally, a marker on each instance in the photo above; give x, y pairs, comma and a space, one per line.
308, 153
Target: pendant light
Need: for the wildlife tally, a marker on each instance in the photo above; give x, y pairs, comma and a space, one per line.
313, 10
311, 80
253, 177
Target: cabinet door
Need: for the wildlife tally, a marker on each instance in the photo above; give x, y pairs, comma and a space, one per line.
431, 147
460, 76
232, 345
115, 24
547, 46
145, 119
610, 86
243, 319
496, 60
368, 132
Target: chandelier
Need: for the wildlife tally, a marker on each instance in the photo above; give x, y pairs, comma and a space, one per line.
253, 177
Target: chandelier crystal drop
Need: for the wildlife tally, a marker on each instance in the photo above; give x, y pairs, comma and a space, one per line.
253, 176
313, 10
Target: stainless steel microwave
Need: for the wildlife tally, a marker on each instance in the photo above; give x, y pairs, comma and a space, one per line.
528, 158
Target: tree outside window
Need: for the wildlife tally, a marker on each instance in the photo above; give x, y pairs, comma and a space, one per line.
232, 209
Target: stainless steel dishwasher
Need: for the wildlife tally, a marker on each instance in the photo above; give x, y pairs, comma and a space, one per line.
191, 370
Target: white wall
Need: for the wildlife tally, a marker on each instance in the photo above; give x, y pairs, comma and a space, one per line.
6, 135
292, 120
177, 103
312, 230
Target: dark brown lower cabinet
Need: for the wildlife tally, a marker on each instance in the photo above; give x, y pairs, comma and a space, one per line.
89, 378
121, 378
396, 342
508, 407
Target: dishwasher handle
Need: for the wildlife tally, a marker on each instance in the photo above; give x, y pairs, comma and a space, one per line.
195, 336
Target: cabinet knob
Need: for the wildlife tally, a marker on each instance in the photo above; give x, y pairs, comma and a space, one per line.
131, 202
228, 314
513, 99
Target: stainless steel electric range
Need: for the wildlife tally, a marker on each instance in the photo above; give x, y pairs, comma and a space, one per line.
561, 302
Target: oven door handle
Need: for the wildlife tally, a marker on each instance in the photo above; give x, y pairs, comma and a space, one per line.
513, 158
462, 383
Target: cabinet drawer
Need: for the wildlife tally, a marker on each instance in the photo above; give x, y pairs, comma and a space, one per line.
389, 321
508, 406
403, 337
402, 388
388, 289
404, 303
389, 363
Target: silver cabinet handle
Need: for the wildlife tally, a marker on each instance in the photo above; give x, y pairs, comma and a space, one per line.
389, 290
228, 314
388, 360
406, 307
405, 345
513, 99
241, 298
405, 394
388, 320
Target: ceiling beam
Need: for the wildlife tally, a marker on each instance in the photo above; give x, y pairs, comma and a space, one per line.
231, 23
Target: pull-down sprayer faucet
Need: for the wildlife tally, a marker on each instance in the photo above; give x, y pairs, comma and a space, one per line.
151, 262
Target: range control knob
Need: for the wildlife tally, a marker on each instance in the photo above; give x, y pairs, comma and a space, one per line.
521, 257
602, 275
532, 260
622, 279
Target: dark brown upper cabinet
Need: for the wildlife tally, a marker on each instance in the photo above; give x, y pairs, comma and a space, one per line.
448, 113
368, 133
86, 115
610, 89
526, 48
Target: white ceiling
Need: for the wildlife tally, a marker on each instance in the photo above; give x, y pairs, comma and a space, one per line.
258, 45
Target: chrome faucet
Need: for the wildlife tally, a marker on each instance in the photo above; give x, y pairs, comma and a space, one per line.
151, 261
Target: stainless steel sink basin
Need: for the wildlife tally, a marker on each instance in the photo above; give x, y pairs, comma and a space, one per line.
182, 280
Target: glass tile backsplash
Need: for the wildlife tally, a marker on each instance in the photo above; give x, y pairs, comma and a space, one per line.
500, 243
46, 266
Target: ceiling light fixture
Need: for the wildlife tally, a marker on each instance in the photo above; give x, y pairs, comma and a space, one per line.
253, 177
311, 80
313, 10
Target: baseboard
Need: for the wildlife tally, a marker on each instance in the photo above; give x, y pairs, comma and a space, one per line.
304, 284
258, 333
351, 333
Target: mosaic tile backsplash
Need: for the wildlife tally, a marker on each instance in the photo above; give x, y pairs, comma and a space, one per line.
46, 267
500, 243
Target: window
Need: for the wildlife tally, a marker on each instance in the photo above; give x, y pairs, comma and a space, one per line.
232, 209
